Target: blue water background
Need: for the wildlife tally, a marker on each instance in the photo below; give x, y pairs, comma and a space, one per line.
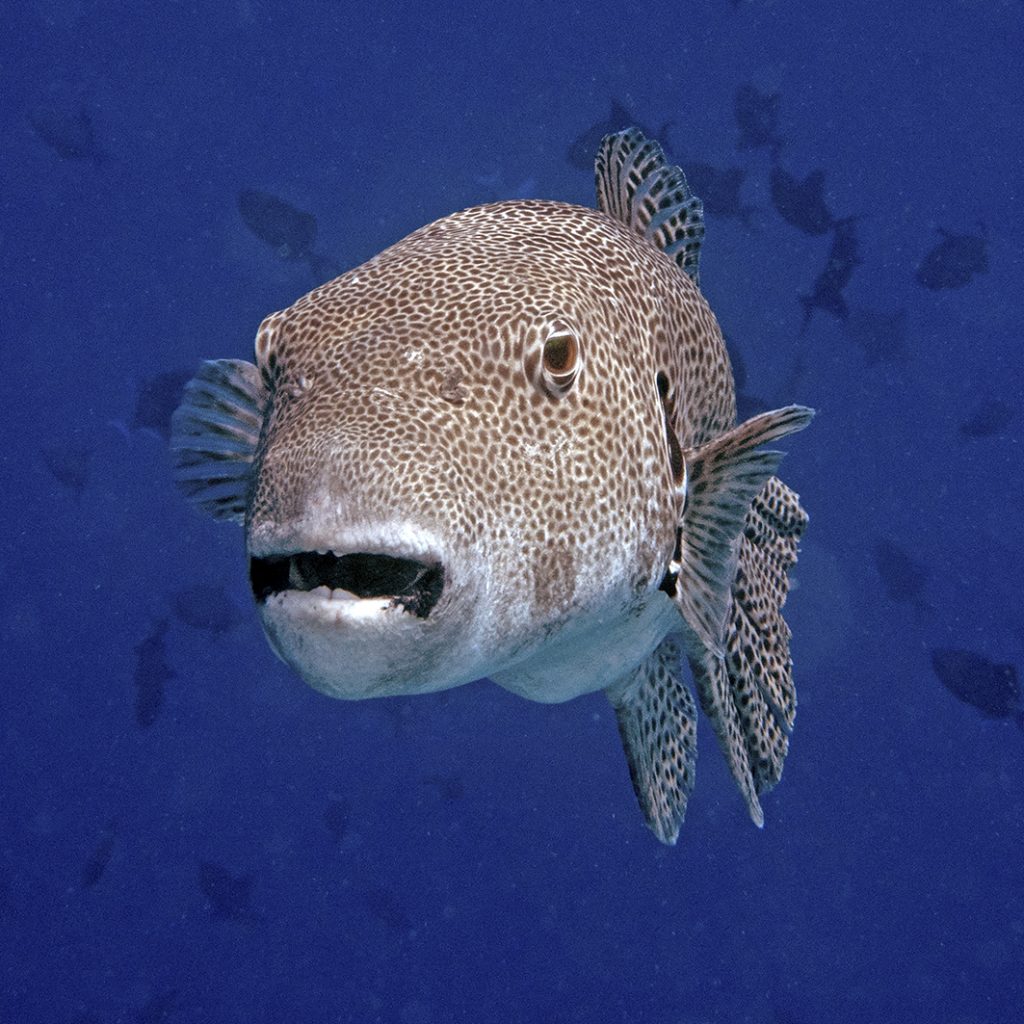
494, 865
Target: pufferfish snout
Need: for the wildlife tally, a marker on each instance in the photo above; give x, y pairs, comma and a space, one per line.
506, 447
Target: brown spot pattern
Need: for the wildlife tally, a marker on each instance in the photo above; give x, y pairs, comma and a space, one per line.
415, 399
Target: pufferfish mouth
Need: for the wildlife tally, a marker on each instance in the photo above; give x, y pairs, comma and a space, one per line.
410, 584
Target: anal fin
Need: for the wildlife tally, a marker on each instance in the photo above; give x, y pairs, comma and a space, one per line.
657, 719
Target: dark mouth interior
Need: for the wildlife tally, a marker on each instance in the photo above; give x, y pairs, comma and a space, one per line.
414, 586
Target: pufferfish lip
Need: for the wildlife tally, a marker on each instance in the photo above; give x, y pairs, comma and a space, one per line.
413, 585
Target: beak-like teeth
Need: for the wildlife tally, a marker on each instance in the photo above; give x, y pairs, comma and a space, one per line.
411, 584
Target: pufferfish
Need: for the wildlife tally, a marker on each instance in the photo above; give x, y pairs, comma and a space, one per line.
506, 447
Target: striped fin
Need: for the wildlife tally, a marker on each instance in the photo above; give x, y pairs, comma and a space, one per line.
214, 435
639, 187
723, 478
658, 724
717, 701
757, 641
740, 527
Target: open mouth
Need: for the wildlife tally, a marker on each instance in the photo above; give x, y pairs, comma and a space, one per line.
412, 585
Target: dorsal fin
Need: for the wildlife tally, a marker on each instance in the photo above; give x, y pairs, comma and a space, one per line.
639, 187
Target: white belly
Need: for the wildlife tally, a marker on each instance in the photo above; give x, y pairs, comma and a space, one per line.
590, 653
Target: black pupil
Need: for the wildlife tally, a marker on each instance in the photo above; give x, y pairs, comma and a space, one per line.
559, 353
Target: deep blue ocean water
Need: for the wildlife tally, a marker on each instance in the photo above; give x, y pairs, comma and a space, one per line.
257, 852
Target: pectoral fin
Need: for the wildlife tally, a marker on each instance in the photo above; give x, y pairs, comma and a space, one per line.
723, 478
738, 538
214, 435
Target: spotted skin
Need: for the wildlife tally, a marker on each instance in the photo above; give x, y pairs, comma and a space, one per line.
360, 372
517, 394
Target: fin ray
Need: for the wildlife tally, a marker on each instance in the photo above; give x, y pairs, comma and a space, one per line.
740, 528
639, 187
657, 719
214, 435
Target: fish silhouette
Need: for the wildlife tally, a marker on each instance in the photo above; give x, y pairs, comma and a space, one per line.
801, 203
290, 232
385, 906
337, 816
843, 258
757, 117
229, 896
92, 870
585, 145
954, 261
903, 576
747, 405
881, 336
448, 787
156, 399
719, 190
70, 134
151, 674
206, 607
69, 466
989, 418
973, 679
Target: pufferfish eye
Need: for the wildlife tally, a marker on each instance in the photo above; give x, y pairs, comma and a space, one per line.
554, 365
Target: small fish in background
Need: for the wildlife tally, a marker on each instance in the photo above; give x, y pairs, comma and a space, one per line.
757, 117
801, 203
92, 870
584, 146
448, 787
158, 1008
990, 418
69, 466
207, 607
229, 896
385, 906
904, 577
70, 135
290, 232
497, 187
954, 261
719, 190
337, 816
156, 399
972, 678
879, 335
828, 287
151, 674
